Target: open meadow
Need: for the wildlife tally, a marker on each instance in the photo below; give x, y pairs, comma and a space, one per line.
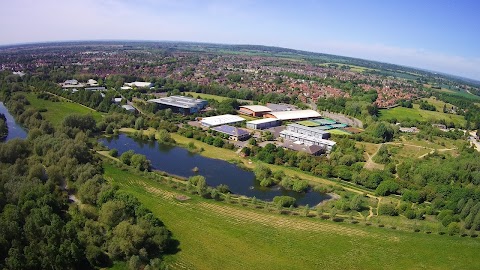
416, 114
56, 111
206, 96
218, 235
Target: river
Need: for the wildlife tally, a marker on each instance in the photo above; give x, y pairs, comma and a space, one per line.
14, 129
179, 161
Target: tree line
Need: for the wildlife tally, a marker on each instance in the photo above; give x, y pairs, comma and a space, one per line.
43, 181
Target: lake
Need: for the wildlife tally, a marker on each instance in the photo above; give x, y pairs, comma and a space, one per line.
14, 129
179, 161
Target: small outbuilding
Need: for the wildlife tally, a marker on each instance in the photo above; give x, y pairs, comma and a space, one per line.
129, 108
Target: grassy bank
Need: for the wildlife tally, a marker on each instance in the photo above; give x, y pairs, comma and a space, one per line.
229, 155
216, 235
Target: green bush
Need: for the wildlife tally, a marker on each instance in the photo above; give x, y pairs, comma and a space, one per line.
284, 201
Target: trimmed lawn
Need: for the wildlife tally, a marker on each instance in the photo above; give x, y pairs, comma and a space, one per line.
217, 235
56, 111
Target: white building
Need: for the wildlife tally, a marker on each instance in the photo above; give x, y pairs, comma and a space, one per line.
293, 115
139, 84
307, 140
221, 120
263, 123
308, 136
309, 131
129, 108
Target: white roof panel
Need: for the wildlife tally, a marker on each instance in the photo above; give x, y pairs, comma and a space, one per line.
257, 108
262, 121
221, 120
290, 115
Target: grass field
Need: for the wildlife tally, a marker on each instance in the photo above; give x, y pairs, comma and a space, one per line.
339, 132
206, 96
437, 103
56, 111
216, 235
456, 93
415, 114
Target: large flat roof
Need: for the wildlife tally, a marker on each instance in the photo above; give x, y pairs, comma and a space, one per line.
313, 129
179, 101
139, 84
310, 138
232, 131
262, 121
221, 120
257, 108
281, 107
290, 115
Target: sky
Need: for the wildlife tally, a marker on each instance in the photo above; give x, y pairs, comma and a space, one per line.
437, 35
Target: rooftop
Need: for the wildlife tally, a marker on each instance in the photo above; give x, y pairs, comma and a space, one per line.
281, 107
221, 120
261, 121
309, 138
139, 84
179, 101
128, 107
257, 108
232, 131
298, 146
313, 129
290, 115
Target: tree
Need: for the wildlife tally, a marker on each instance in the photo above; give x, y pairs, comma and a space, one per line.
453, 228
476, 222
386, 188
387, 210
199, 182
140, 162
126, 157
113, 152
382, 130
112, 213
164, 136
82, 122
262, 172
134, 263
139, 123
3, 126
218, 142
357, 203
284, 201
466, 209
88, 192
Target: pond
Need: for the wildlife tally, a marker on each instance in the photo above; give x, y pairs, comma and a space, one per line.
14, 129
179, 161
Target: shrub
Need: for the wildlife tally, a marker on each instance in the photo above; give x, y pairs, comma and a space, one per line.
387, 210
284, 201
113, 152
